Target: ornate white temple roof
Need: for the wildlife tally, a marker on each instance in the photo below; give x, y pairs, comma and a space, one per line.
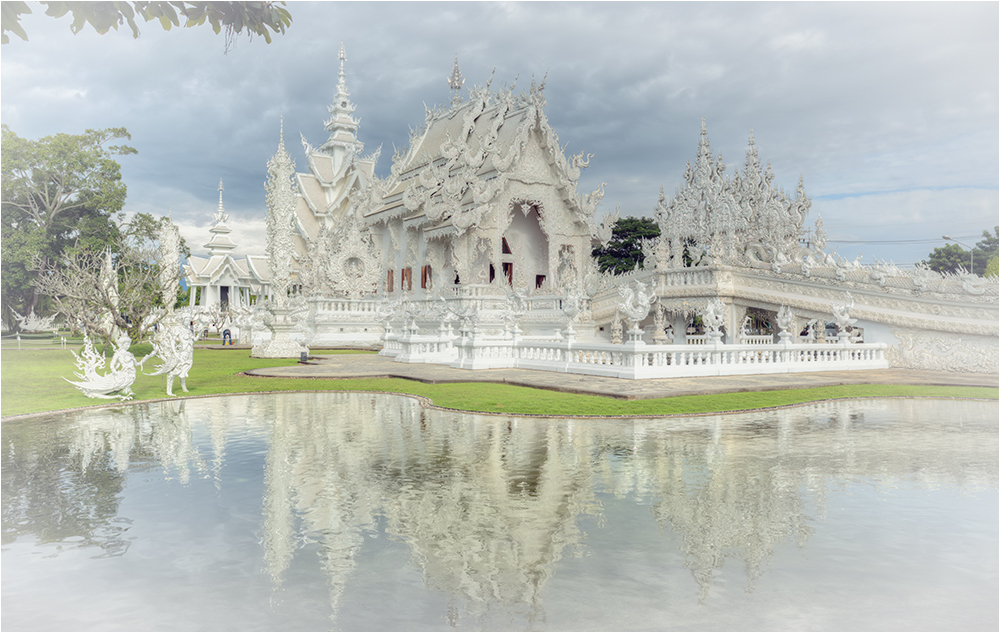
342, 125
464, 157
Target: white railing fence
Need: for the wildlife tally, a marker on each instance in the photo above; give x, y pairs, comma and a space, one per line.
634, 359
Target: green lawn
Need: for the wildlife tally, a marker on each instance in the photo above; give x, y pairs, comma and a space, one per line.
31, 381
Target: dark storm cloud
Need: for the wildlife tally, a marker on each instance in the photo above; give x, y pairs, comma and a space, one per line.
887, 110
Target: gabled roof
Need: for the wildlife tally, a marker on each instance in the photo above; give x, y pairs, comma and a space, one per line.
461, 161
259, 268
207, 271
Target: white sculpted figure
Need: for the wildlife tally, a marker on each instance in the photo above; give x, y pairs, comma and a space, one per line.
173, 343
842, 314
786, 319
117, 382
635, 304
714, 316
616, 330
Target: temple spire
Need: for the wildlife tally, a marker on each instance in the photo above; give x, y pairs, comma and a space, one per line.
342, 84
220, 213
341, 125
220, 244
455, 82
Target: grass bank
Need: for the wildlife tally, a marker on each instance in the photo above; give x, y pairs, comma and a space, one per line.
31, 381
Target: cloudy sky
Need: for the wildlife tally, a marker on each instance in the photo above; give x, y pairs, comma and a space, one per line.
889, 111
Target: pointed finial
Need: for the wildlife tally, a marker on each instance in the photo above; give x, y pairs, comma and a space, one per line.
220, 213
281, 137
343, 58
455, 81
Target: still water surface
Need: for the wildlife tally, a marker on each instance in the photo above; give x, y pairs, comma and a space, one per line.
361, 511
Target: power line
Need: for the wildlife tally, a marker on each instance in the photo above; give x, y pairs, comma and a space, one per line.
920, 241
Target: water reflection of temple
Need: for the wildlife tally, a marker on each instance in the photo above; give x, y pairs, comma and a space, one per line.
488, 506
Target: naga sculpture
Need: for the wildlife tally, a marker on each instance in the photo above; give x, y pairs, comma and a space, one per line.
117, 382
635, 304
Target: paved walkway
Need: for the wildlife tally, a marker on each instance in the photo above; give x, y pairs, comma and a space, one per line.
336, 366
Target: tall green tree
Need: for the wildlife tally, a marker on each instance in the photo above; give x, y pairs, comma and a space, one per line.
57, 194
254, 18
986, 249
950, 257
992, 268
624, 251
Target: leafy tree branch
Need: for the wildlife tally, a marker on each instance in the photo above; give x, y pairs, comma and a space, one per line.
235, 18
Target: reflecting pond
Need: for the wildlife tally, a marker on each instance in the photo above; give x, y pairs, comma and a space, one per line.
322, 511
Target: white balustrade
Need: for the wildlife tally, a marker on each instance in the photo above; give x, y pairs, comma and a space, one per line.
638, 360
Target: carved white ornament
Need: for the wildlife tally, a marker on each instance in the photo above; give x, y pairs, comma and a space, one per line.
280, 198
635, 303
714, 316
35, 323
116, 382
786, 320
173, 343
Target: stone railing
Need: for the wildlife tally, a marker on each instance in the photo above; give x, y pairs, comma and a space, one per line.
364, 306
636, 360
685, 277
756, 339
390, 344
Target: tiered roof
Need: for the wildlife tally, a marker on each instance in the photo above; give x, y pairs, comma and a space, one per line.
464, 156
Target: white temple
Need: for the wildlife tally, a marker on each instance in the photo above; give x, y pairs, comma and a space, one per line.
222, 280
475, 252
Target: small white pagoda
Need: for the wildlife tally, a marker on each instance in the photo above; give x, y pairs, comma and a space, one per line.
221, 280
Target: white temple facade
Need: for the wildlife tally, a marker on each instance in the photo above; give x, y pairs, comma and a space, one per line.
475, 251
222, 280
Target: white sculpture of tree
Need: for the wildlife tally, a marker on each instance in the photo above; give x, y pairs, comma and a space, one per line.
170, 263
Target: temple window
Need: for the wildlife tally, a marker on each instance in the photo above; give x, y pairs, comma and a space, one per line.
505, 248
508, 272
425, 277
405, 279
388, 281
539, 281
